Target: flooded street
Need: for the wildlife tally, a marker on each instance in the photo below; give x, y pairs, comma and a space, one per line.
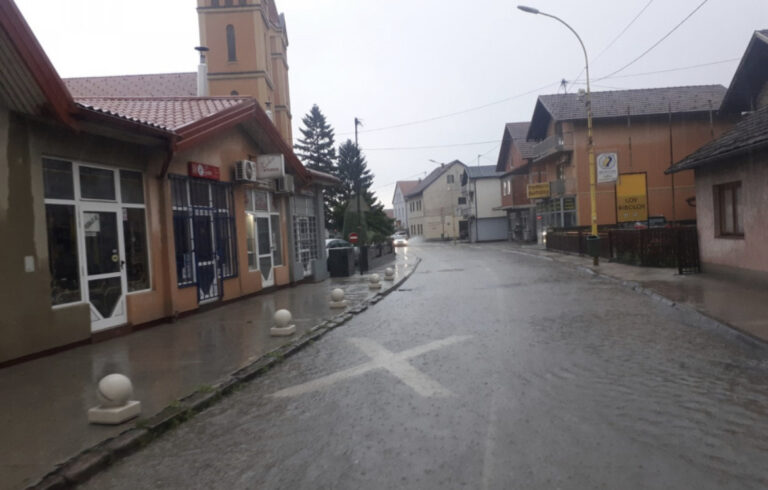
488, 369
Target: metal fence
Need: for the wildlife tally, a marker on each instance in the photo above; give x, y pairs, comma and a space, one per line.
651, 247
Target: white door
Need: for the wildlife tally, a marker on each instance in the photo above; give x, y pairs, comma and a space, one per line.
103, 264
304, 244
264, 250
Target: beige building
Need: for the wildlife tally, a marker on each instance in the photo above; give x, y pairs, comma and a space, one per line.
481, 204
433, 206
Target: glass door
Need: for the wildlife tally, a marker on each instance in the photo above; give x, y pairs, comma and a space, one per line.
104, 258
264, 250
206, 257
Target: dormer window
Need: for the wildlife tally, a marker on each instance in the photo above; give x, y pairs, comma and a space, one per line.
231, 49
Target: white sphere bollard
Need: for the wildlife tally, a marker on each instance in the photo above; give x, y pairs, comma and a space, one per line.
283, 326
114, 392
389, 274
373, 281
337, 299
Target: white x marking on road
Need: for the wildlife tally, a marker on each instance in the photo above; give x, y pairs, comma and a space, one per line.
381, 358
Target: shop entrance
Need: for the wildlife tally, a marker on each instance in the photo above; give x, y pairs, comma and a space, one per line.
104, 258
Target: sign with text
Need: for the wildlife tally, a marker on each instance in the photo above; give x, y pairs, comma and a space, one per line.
353, 238
538, 191
607, 167
270, 166
631, 198
203, 171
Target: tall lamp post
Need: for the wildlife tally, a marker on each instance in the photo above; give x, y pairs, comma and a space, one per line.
590, 144
359, 210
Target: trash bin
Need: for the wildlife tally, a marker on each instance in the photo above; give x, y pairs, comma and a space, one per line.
341, 262
593, 245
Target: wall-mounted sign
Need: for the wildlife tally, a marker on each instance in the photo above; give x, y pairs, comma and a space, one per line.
607, 167
203, 171
270, 166
631, 198
538, 191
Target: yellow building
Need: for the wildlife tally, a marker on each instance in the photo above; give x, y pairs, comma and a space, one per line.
247, 45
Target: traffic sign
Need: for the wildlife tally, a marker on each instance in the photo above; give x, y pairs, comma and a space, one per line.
353, 238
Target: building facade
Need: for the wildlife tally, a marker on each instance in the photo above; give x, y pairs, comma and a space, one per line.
731, 176
433, 205
640, 133
399, 209
514, 161
117, 212
480, 204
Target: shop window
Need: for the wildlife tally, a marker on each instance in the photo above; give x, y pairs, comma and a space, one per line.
57, 179
97, 183
136, 253
62, 253
231, 48
131, 187
729, 210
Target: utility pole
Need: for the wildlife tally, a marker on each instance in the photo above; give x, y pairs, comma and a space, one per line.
359, 210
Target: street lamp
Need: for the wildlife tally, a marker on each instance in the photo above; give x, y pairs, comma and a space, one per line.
590, 144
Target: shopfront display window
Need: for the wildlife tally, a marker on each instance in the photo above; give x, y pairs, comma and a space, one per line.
263, 234
97, 237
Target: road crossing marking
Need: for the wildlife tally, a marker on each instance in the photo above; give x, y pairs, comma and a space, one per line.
381, 358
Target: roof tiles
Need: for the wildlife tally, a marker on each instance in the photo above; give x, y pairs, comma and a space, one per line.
170, 113
154, 85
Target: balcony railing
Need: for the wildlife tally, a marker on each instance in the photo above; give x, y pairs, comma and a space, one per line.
553, 144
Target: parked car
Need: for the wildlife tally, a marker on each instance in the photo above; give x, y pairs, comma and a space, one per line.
653, 222
339, 243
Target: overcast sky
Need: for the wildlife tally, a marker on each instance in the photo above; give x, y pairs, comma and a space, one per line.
403, 61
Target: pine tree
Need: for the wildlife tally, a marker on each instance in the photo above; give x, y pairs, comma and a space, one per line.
316, 149
351, 167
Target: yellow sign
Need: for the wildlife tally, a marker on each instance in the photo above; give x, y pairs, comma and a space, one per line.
538, 191
631, 198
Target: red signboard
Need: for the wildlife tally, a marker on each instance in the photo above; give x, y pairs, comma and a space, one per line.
203, 171
353, 238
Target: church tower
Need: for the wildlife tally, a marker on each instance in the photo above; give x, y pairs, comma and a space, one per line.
247, 43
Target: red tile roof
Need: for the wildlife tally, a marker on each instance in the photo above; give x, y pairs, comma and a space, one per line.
170, 113
154, 85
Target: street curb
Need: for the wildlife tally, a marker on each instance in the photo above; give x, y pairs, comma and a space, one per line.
90, 461
689, 310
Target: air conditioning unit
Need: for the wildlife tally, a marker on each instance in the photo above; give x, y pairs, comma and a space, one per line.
285, 185
245, 171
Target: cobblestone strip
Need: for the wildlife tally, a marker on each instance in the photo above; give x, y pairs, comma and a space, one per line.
94, 459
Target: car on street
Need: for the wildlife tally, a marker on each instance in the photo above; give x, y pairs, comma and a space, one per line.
653, 222
400, 241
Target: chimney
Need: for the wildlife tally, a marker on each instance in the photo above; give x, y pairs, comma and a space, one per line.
202, 73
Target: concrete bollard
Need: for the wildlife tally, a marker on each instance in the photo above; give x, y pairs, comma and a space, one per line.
337, 299
114, 392
283, 326
374, 281
389, 274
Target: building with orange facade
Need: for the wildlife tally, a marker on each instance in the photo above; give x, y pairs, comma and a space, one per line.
639, 133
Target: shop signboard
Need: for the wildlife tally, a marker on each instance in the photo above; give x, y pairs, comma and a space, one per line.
270, 166
631, 198
538, 191
203, 171
607, 167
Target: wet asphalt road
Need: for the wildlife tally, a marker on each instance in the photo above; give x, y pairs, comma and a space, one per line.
488, 369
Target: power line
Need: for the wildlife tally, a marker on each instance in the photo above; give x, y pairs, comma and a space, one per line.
452, 114
431, 147
668, 70
665, 36
626, 28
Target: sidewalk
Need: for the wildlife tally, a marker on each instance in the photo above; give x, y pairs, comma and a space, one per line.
43, 419
737, 304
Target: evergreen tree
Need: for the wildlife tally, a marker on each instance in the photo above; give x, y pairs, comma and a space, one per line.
316, 149
351, 167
